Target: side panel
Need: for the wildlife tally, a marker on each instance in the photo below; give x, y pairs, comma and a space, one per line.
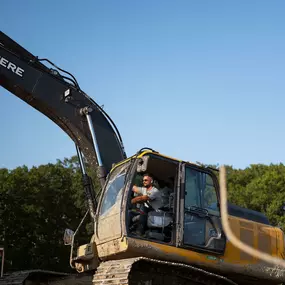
262, 237
109, 226
117, 247
280, 243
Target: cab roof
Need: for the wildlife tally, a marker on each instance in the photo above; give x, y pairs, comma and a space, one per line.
144, 151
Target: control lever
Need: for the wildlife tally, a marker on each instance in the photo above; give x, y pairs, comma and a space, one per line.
202, 213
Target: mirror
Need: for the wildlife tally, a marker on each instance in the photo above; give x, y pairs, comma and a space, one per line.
68, 235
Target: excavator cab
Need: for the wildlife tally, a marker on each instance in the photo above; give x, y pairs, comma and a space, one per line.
189, 216
190, 203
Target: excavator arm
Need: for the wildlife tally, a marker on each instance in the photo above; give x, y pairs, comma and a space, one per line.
56, 94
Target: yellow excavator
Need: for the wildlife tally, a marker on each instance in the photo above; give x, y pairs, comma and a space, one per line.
182, 241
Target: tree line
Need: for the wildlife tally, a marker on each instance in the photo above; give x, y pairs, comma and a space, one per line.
39, 203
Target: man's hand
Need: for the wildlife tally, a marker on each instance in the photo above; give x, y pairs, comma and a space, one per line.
140, 199
136, 190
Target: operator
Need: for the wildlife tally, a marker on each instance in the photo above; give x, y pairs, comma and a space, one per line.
150, 198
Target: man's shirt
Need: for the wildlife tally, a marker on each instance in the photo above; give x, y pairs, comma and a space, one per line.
155, 197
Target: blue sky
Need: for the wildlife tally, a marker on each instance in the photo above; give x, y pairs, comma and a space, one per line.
197, 80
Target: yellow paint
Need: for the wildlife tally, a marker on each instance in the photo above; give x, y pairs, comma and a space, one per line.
157, 153
232, 254
259, 236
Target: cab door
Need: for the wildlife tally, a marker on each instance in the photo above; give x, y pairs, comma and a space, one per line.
200, 218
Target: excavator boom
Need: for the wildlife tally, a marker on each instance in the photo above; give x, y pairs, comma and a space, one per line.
56, 94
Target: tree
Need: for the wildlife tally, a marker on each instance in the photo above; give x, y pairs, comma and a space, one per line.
261, 188
37, 205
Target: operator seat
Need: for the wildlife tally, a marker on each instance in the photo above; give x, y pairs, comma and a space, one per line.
160, 222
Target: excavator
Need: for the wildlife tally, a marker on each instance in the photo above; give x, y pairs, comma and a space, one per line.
183, 242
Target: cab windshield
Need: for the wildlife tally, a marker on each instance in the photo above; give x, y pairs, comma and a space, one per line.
114, 188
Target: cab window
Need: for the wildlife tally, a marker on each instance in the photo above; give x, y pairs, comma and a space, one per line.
200, 199
114, 188
199, 190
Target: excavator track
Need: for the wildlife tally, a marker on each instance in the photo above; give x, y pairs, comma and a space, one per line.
145, 271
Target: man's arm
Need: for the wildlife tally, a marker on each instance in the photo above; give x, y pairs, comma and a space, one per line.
140, 199
155, 194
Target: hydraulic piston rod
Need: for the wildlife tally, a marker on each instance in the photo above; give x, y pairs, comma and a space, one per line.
81, 162
88, 187
101, 171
